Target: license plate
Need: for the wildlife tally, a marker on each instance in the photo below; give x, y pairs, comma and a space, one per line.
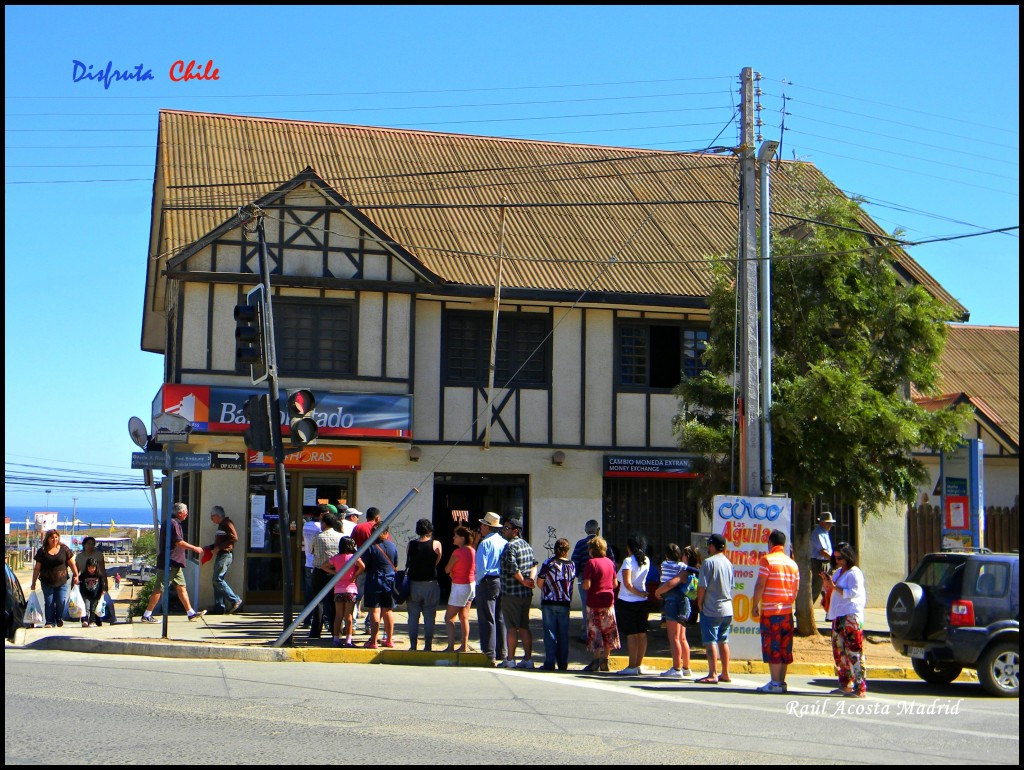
915, 652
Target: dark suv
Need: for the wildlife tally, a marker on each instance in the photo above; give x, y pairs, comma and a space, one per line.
961, 610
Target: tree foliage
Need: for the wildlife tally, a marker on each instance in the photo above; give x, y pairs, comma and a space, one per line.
849, 336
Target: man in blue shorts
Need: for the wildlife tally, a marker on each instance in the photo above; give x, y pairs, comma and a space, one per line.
714, 600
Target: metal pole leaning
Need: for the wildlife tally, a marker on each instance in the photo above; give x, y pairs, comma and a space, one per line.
374, 536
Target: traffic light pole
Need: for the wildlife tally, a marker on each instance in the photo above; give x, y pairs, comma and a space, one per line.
274, 407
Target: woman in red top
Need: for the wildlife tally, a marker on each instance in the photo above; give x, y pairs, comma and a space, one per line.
462, 568
599, 583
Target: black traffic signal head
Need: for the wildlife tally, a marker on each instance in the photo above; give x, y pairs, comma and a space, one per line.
257, 413
301, 425
250, 334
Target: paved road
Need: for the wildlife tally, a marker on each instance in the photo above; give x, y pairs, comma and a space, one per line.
136, 710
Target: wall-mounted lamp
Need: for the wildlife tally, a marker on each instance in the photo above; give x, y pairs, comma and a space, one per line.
415, 453
558, 458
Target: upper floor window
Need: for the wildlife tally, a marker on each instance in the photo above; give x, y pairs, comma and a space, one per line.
467, 349
316, 338
658, 355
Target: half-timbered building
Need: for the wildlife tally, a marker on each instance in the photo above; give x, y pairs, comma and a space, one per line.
390, 251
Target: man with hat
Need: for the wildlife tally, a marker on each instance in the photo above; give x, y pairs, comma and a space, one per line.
821, 552
518, 574
490, 624
714, 600
348, 524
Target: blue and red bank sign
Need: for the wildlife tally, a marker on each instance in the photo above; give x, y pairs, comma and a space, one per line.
216, 409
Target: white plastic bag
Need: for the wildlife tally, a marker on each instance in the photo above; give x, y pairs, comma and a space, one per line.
76, 607
33, 611
100, 609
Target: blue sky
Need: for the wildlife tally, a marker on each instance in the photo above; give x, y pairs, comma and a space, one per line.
915, 109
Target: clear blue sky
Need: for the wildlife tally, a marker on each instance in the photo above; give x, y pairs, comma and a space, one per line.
914, 108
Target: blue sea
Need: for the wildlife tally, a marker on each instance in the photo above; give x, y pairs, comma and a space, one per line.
89, 518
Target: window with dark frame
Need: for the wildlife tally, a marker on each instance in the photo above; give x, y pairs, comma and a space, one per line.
656, 355
314, 338
467, 345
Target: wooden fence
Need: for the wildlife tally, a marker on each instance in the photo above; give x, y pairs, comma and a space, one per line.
924, 530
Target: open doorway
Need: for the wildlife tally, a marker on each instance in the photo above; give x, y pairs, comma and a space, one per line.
463, 499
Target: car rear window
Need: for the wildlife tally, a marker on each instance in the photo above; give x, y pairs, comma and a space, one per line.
946, 574
988, 578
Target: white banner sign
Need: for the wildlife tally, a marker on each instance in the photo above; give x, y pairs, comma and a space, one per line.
746, 523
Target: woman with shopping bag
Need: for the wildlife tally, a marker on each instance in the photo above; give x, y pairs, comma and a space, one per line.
52, 563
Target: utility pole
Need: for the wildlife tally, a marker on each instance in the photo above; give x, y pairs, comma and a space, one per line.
746, 285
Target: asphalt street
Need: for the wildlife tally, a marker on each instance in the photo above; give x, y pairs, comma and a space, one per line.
64, 707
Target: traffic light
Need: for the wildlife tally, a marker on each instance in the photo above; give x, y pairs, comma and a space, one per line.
302, 426
250, 334
257, 436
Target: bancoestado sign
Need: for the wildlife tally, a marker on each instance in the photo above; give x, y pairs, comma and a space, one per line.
630, 466
218, 409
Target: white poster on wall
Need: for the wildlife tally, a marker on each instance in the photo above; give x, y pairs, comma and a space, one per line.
257, 524
746, 523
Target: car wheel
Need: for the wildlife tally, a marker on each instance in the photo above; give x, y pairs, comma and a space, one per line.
907, 611
999, 670
936, 673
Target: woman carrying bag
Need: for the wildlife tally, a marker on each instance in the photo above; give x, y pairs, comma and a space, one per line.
52, 563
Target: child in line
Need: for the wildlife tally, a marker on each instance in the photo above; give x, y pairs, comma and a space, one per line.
345, 590
678, 570
92, 585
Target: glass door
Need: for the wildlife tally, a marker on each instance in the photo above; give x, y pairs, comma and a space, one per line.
314, 489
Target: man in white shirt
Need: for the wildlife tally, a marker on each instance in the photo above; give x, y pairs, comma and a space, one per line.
821, 552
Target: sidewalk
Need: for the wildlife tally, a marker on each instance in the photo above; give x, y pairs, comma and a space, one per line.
249, 635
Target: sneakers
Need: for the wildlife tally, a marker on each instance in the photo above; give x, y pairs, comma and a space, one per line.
196, 615
634, 671
234, 607
507, 664
387, 643
773, 688
148, 619
525, 663
686, 673
672, 673
370, 644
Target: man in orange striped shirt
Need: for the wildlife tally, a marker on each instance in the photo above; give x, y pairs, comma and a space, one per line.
774, 595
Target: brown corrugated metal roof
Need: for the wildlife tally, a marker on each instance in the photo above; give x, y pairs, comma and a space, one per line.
983, 364
212, 164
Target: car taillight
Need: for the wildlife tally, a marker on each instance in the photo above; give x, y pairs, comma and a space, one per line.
961, 613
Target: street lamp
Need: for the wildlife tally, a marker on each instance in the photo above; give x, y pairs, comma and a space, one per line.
765, 154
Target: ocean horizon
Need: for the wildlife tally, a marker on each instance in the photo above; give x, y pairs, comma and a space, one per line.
88, 517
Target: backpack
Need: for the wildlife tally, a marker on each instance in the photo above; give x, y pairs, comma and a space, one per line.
691, 588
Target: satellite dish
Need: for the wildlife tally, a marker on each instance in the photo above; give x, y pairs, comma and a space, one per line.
138, 432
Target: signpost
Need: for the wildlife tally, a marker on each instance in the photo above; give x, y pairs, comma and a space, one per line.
963, 497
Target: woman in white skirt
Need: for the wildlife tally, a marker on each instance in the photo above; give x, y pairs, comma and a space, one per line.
462, 568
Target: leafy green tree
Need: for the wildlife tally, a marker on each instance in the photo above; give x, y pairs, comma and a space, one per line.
144, 547
848, 337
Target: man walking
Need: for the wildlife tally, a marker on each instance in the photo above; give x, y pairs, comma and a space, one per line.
179, 512
821, 553
580, 557
778, 579
714, 600
225, 600
518, 570
490, 624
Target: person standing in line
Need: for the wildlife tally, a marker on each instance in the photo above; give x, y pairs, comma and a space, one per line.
379, 600
462, 568
778, 579
225, 600
490, 624
421, 559
179, 512
310, 529
821, 553
361, 534
344, 590
349, 522
518, 571
325, 546
714, 601
555, 579
599, 583
676, 571
580, 557
846, 611
631, 609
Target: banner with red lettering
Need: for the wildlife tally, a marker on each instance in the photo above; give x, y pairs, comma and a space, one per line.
746, 523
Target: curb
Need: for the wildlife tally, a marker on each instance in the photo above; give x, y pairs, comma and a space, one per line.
177, 649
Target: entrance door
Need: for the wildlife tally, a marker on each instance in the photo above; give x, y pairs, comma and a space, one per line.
463, 499
313, 490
